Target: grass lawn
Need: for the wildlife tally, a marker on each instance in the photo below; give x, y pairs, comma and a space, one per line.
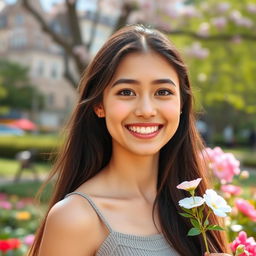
9, 167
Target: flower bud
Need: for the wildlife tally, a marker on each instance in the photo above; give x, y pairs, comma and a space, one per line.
244, 175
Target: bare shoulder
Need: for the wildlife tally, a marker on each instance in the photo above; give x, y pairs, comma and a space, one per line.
72, 228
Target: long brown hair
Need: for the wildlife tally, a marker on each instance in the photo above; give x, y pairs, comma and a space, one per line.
88, 145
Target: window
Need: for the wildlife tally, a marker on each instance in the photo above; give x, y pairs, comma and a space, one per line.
50, 99
3, 21
19, 20
18, 40
54, 71
40, 68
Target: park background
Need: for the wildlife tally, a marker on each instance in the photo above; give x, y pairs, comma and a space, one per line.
44, 48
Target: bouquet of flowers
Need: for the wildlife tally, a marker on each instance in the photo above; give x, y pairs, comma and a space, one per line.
193, 209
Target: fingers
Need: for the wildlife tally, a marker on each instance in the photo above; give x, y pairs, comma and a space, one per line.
216, 254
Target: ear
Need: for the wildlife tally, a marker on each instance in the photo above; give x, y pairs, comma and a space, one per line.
99, 110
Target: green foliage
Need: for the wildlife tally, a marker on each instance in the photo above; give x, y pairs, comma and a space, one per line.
229, 70
27, 189
15, 88
194, 232
45, 146
9, 168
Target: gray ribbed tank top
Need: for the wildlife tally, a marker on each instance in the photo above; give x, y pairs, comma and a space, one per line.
120, 244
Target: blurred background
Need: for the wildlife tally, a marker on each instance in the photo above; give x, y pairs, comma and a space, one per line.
46, 44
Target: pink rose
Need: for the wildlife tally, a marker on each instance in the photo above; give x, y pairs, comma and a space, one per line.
246, 208
3, 196
224, 165
28, 240
231, 189
5, 205
249, 243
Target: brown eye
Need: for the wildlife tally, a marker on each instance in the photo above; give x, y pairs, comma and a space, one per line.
126, 92
163, 92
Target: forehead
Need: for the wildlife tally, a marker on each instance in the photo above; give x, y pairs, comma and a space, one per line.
149, 66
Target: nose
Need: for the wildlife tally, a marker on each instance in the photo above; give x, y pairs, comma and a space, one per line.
145, 108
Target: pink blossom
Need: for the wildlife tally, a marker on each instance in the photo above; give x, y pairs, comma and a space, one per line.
210, 154
223, 7
224, 165
244, 22
5, 205
249, 243
251, 8
189, 185
189, 11
20, 205
197, 51
235, 15
231, 189
28, 240
246, 208
219, 22
204, 29
3, 196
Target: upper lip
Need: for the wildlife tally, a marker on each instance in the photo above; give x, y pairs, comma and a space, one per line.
144, 124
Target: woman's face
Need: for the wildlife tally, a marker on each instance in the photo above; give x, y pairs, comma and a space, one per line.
142, 105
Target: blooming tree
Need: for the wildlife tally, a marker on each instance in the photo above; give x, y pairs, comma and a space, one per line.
211, 20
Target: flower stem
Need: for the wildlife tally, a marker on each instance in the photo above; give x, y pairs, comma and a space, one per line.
205, 241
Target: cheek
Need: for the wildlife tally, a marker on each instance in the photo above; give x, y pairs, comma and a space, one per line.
171, 110
117, 110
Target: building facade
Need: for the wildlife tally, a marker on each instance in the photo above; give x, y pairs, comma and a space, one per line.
22, 41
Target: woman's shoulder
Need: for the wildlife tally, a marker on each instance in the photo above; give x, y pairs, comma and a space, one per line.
73, 211
72, 227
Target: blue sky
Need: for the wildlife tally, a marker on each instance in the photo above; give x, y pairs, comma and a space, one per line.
47, 3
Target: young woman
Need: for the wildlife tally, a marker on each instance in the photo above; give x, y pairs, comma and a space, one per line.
131, 141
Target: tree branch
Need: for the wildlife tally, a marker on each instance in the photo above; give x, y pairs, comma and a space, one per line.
46, 28
218, 37
59, 40
127, 8
74, 23
95, 22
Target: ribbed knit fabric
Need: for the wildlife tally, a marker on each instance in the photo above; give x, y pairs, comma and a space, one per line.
120, 244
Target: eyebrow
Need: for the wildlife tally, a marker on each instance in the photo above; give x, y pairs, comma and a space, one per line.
133, 81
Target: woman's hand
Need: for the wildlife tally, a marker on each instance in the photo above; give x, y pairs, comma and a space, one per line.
216, 254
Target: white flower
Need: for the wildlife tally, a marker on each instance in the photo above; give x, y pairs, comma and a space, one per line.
189, 185
216, 203
191, 202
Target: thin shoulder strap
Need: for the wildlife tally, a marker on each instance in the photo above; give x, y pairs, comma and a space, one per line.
94, 207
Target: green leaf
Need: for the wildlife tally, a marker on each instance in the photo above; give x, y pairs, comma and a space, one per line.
201, 208
194, 232
187, 210
206, 222
186, 215
215, 227
195, 223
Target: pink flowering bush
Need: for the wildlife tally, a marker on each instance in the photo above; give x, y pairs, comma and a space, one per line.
231, 189
227, 175
223, 165
246, 208
249, 244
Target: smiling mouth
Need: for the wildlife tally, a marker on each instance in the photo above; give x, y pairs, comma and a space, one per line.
144, 130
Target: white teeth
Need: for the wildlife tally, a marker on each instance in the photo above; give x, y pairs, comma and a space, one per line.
143, 130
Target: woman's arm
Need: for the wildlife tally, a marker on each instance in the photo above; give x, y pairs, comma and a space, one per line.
70, 230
